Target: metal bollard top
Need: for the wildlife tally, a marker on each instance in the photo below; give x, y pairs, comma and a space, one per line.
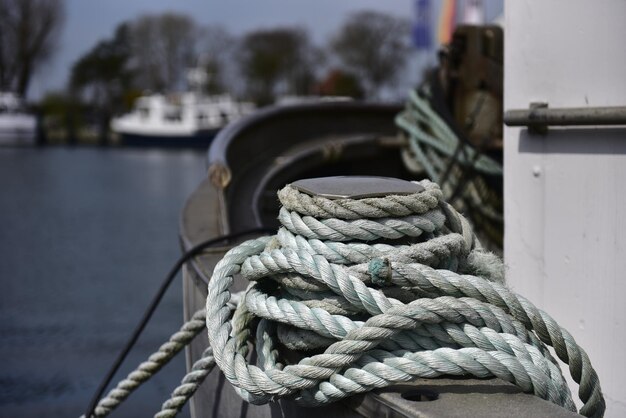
355, 187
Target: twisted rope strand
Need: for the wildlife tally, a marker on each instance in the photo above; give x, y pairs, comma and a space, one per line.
154, 363
350, 209
189, 385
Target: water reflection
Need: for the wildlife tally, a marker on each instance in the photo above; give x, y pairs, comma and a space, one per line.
87, 235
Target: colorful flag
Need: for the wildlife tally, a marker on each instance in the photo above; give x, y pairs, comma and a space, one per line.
447, 21
422, 30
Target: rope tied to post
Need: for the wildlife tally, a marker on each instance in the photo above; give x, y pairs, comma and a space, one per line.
377, 291
356, 294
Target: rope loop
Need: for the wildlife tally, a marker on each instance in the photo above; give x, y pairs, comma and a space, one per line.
368, 293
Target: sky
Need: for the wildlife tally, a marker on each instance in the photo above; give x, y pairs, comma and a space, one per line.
88, 21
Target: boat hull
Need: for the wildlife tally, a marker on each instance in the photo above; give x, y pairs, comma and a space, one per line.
18, 130
201, 139
14, 138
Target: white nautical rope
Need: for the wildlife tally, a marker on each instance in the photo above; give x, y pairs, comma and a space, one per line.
372, 292
155, 362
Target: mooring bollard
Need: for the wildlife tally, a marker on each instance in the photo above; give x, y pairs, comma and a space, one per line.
455, 396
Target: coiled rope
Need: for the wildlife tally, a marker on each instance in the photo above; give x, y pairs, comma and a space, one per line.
365, 294
434, 149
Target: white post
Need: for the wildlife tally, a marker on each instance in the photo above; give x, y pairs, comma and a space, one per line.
565, 193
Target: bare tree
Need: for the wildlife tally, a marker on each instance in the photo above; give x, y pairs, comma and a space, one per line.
373, 46
29, 33
164, 46
277, 61
101, 79
103, 74
216, 48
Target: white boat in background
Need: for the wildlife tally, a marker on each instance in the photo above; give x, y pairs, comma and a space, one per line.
299, 100
17, 127
187, 119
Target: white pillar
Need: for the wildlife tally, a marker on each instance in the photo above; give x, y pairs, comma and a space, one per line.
565, 193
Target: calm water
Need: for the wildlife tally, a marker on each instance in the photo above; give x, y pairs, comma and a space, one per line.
86, 237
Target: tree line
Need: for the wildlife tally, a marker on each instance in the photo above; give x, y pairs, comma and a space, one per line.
29, 34
153, 52
365, 56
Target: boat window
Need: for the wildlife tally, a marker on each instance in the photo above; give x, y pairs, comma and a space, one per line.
173, 114
144, 112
